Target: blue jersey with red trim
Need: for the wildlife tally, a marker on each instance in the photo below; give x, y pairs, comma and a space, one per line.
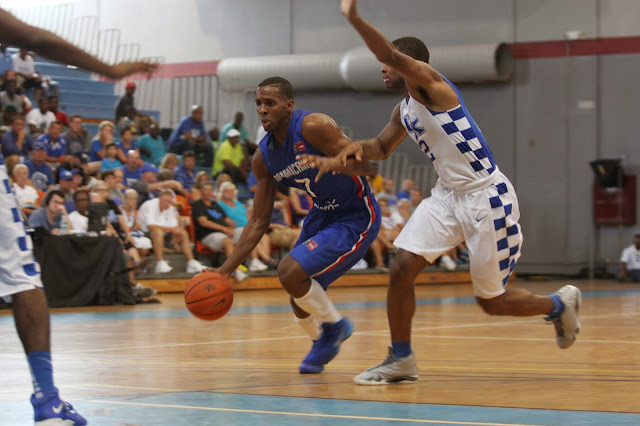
331, 192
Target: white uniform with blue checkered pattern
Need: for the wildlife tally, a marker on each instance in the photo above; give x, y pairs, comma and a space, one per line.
471, 202
18, 269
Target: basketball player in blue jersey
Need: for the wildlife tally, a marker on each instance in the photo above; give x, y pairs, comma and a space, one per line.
338, 230
472, 202
19, 273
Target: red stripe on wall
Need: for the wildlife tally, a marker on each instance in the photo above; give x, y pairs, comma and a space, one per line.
586, 47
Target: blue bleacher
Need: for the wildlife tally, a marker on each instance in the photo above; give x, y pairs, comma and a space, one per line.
91, 99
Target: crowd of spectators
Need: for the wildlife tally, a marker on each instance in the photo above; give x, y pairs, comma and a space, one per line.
191, 194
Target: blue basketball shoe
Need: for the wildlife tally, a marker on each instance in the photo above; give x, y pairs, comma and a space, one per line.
54, 411
327, 346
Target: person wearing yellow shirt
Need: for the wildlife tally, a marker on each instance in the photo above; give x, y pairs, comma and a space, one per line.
231, 158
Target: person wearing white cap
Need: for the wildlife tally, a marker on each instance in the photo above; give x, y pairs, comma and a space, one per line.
190, 135
231, 158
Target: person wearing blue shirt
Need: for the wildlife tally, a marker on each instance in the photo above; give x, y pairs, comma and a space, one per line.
131, 170
185, 174
16, 143
40, 172
126, 143
110, 161
151, 146
54, 143
190, 135
6, 61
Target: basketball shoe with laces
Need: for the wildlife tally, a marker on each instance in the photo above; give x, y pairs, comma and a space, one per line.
391, 370
567, 325
54, 411
327, 346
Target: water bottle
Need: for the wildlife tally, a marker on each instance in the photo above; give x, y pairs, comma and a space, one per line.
63, 225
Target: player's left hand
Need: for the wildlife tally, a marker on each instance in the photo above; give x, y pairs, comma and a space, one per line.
323, 164
124, 69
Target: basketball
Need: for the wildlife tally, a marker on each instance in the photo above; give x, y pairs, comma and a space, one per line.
208, 295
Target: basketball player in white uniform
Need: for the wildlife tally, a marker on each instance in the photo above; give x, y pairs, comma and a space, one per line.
472, 202
20, 280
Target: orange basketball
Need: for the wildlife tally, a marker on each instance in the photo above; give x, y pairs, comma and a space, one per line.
208, 295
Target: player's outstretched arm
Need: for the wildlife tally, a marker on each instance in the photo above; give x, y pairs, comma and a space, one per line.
415, 73
14, 32
259, 222
322, 132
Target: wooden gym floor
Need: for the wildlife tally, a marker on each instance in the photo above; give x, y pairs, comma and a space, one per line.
158, 365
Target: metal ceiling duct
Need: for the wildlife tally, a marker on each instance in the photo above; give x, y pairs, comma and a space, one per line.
359, 70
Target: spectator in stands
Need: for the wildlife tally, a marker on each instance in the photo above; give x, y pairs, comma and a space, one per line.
166, 175
61, 116
407, 185
104, 137
190, 135
148, 185
76, 137
16, 143
280, 230
132, 169
388, 193
151, 146
40, 118
51, 215
403, 212
300, 204
388, 233
10, 96
630, 261
202, 177
160, 218
7, 116
416, 198
80, 216
65, 184
111, 160
231, 158
114, 182
212, 226
375, 179
125, 144
129, 209
25, 67
26, 195
170, 162
236, 124
214, 135
220, 179
55, 144
126, 101
40, 171
236, 211
185, 174
117, 226
6, 61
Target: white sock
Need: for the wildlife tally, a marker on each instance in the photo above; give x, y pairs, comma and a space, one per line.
317, 303
310, 325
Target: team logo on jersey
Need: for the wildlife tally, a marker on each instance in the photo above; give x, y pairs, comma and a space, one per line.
311, 244
413, 127
299, 146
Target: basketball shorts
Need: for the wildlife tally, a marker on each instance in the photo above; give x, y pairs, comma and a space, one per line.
486, 219
331, 242
19, 270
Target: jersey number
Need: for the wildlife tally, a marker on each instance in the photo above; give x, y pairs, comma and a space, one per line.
307, 184
425, 148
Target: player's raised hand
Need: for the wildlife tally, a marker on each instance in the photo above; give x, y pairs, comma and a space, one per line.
124, 69
348, 8
323, 164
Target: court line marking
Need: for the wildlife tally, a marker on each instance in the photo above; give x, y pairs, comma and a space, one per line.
287, 413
